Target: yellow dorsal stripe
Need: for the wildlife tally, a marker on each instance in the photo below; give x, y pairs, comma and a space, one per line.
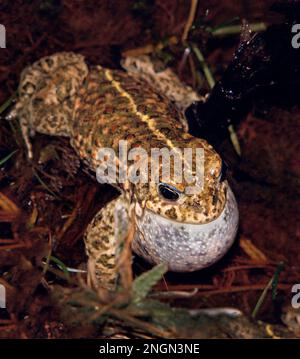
143, 117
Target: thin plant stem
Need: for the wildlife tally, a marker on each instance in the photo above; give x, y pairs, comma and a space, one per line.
209, 77
190, 20
236, 29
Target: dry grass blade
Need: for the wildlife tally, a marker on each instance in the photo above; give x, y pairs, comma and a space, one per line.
190, 20
8, 205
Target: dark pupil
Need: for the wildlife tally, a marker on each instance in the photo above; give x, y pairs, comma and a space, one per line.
168, 193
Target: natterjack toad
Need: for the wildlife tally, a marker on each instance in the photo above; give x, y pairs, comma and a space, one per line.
97, 108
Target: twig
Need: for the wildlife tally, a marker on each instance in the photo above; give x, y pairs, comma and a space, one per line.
211, 289
175, 294
14, 246
44, 184
8, 241
122, 315
69, 221
245, 288
190, 20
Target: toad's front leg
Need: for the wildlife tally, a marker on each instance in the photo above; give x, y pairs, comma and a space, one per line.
103, 240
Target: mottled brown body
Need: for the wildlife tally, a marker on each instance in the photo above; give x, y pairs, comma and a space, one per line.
113, 106
97, 108
113, 118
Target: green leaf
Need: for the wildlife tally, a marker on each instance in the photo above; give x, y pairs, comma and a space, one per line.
272, 284
279, 269
143, 284
7, 103
7, 157
61, 265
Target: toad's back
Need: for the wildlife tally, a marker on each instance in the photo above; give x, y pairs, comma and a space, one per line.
113, 106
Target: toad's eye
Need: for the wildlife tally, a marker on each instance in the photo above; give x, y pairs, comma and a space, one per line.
168, 192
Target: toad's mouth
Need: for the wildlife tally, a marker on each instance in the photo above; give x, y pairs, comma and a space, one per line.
186, 247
